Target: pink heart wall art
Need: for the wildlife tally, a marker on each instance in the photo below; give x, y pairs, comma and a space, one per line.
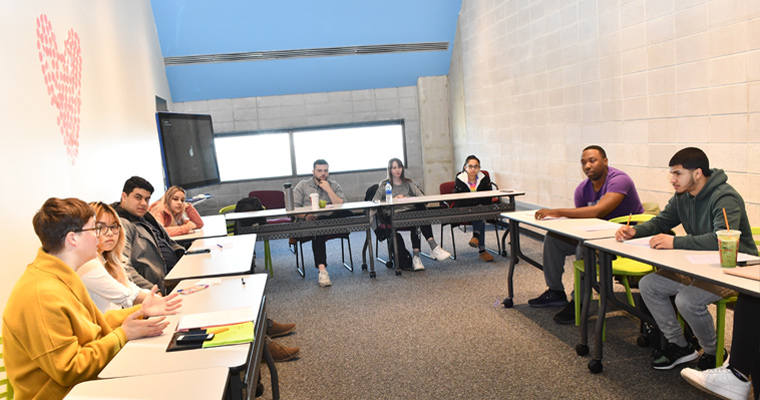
62, 72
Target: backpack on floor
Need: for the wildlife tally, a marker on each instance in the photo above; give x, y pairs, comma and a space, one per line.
404, 257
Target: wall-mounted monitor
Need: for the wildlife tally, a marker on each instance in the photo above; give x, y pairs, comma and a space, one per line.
187, 149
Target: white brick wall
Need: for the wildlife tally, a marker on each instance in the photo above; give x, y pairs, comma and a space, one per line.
642, 78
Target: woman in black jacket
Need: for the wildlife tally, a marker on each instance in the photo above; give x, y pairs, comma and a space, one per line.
471, 179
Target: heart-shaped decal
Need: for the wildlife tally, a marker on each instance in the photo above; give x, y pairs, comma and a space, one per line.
63, 77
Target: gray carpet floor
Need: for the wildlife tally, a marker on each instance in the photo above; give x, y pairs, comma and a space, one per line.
442, 333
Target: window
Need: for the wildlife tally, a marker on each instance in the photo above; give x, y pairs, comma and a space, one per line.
253, 156
355, 147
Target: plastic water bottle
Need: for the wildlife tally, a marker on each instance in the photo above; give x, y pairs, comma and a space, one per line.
388, 193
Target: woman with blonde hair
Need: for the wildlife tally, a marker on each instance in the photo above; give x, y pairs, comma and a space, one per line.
104, 275
177, 216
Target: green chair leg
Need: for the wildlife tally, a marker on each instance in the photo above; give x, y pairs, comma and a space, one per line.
268, 259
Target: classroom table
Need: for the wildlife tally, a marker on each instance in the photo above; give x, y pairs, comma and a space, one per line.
579, 229
227, 255
213, 226
399, 218
148, 356
208, 383
359, 222
673, 260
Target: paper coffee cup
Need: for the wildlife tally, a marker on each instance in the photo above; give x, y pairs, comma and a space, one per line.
314, 201
728, 243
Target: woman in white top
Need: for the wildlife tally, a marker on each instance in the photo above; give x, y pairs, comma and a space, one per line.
104, 275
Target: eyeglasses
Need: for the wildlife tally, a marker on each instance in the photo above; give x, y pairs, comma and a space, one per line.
115, 228
97, 229
472, 166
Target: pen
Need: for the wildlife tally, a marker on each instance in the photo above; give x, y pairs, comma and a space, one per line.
629, 220
243, 280
220, 246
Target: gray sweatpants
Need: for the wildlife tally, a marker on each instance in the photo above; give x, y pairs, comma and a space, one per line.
691, 301
556, 249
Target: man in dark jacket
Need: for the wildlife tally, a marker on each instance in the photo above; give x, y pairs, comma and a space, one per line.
149, 252
701, 197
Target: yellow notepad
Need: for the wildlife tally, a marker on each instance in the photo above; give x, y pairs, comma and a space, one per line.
238, 333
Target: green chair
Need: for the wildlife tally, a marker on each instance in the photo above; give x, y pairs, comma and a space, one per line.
231, 230
621, 267
7, 392
756, 232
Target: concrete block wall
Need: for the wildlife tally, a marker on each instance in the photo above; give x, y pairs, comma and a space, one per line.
542, 79
307, 110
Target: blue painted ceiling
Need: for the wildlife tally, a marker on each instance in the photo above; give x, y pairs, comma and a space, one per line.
203, 27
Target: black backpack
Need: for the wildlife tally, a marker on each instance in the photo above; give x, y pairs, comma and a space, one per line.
404, 257
248, 204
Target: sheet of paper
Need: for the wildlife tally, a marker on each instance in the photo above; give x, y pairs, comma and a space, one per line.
713, 257
598, 227
216, 318
642, 241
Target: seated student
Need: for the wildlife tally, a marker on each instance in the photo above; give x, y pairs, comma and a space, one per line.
732, 381
607, 193
471, 179
177, 216
701, 197
104, 275
149, 252
404, 187
54, 336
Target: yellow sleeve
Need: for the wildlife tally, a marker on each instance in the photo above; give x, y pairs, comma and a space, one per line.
115, 318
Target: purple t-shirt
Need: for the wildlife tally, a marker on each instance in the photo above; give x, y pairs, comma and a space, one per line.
617, 182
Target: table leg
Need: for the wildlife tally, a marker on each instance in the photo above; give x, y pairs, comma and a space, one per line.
514, 246
605, 290
273, 373
589, 277
368, 243
396, 269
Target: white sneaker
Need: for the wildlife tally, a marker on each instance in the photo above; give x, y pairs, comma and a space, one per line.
440, 254
417, 263
718, 381
324, 279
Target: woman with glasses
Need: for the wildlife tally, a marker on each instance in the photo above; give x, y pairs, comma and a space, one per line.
177, 216
472, 179
401, 187
104, 275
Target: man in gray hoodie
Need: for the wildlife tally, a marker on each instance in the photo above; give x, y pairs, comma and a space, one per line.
701, 196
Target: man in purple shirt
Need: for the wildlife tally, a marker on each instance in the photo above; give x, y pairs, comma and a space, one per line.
607, 193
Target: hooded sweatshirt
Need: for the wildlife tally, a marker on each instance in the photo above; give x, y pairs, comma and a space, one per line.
702, 216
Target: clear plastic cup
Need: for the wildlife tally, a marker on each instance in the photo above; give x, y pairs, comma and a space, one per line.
728, 243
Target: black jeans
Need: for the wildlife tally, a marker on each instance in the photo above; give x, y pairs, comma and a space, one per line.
318, 243
745, 343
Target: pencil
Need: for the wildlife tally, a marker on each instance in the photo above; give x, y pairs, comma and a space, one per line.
629, 219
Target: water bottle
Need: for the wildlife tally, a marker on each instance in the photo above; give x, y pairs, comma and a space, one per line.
288, 196
388, 193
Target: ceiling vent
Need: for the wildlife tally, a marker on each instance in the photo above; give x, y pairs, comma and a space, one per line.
306, 53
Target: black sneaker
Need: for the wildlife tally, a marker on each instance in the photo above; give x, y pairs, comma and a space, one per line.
707, 361
567, 315
550, 298
674, 355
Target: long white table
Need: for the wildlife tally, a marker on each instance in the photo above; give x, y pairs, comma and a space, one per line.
359, 219
399, 217
573, 228
213, 226
148, 356
209, 383
234, 257
673, 260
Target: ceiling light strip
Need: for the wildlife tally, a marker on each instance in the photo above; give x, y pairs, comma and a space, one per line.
306, 53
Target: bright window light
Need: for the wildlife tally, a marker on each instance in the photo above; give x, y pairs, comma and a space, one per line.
253, 156
349, 149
